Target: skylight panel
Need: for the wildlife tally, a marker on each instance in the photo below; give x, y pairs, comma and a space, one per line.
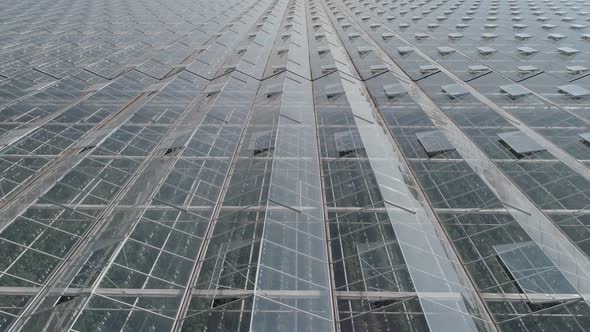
405, 50
353, 35
534, 273
328, 68
434, 142
278, 68
394, 90
347, 143
526, 69
577, 69
522, 36
556, 36
454, 91
455, 35
585, 137
568, 50
362, 50
213, 89
519, 26
323, 49
427, 69
478, 69
334, 90
262, 141
444, 50
527, 50
274, 90
176, 140
387, 35
421, 35
378, 68
485, 50
520, 143
515, 90
574, 91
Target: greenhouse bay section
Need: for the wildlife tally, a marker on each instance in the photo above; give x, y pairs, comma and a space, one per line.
295, 165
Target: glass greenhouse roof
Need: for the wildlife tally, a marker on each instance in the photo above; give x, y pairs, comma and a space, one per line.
295, 165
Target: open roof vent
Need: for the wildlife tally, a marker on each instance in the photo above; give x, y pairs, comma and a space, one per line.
556, 36
274, 90
378, 69
574, 91
519, 143
527, 69
585, 138
262, 143
454, 91
485, 50
527, 50
577, 69
477, 69
403, 50
428, 69
348, 144
445, 50
568, 51
515, 91
434, 142
333, 91
394, 90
